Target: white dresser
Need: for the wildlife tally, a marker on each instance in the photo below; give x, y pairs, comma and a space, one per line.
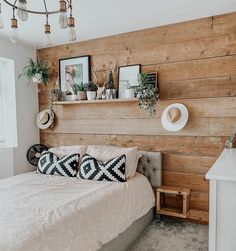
222, 218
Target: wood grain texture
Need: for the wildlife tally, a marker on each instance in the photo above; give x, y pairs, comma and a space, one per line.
196, 61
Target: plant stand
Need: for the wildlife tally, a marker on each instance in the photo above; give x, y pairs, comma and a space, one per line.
183, 193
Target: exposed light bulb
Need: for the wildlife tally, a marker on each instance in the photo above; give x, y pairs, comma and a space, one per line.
1, 18
14, 35
72, 33
63, 20
22, 12
47, 40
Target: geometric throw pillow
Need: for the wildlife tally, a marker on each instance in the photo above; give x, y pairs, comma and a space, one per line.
50, 163
111, 170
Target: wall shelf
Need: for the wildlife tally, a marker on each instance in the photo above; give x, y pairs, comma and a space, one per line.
95, 101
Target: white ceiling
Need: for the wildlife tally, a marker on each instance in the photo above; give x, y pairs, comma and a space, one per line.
108, 17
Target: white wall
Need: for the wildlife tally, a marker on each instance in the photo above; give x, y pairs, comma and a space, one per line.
13, 161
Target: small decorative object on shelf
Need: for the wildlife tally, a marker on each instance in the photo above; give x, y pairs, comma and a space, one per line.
110, 88
101, 93
147, 95
127, 75
230, 140
129, 91
79, 90
91, 90
36, 71
56, 95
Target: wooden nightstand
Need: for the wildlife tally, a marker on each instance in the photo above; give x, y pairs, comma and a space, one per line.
183, 193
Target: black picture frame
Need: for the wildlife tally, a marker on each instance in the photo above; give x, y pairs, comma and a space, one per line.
119, 76
152, 79
74, 60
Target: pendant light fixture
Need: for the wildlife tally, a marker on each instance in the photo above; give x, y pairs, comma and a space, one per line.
1, 18
20, 6
71, 24
63, 15
47, 31
22, 10
14, 29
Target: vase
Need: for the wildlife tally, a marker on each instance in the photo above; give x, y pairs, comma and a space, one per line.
81, 95
69, 97
37, 78
129, 93
91, 95
110, 93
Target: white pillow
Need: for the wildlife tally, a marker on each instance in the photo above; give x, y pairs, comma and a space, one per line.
106, 152
68, 150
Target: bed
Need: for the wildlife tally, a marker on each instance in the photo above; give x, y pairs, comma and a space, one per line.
53, 213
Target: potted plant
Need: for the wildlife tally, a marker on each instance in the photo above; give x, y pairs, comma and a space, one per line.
36, 71
147, 95
110, 88
91, 90
80, 91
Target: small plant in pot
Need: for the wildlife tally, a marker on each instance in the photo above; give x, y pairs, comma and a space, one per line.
110, 88
36, 71
79, 90
91, 90
147, 95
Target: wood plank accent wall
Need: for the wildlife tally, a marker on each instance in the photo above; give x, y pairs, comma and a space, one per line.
196, 61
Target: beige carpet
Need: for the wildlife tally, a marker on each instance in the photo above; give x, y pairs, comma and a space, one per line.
171, 235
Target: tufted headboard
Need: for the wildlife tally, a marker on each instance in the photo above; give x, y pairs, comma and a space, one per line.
150, 165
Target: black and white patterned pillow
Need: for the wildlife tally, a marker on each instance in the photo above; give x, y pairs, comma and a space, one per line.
111, 170
50, 163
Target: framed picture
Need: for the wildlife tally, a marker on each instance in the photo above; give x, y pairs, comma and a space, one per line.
152, 79
73, 71
127, 76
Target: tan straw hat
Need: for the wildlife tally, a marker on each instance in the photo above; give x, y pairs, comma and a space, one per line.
174, 117
45, 119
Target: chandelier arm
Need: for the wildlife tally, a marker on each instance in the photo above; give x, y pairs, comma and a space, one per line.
32, 11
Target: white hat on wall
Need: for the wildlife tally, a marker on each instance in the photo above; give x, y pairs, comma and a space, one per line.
45, 119
175, 117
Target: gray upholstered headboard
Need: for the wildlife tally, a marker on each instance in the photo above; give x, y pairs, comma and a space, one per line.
150, 165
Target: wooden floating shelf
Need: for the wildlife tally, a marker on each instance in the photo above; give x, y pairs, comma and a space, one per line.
95, 101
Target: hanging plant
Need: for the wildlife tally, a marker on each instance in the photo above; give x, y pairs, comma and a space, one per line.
147, 95
37, 72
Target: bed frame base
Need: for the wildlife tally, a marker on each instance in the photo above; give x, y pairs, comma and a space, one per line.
125, 239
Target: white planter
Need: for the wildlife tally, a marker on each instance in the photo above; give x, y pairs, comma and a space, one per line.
91, 95
69, 97
129, 93
37, 78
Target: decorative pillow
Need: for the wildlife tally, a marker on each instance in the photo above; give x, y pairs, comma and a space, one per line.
111, 170
106, 152
61, 151
50, 163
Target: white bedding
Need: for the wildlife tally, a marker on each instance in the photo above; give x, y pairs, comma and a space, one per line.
52, 213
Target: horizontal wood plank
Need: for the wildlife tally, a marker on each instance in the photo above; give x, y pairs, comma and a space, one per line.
187, 163
203, 146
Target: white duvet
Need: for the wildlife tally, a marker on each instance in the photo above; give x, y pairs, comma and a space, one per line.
52, 213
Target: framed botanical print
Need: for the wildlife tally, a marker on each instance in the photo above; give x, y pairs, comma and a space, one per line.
73, 71
128, 78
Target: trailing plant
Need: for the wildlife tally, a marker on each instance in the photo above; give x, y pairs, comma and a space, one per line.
90, 87
110, 82
147, 95
32, 68
78, 87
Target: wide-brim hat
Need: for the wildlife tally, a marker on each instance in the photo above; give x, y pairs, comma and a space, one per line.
175, 117
45, 119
